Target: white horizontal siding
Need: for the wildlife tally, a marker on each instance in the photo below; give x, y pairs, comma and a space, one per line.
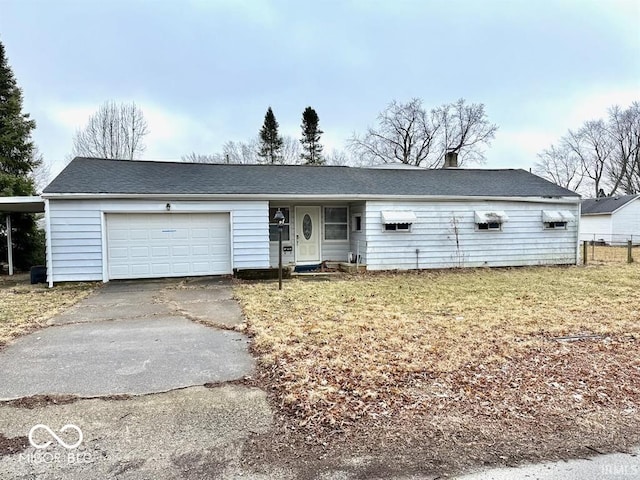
595, 227
431, 243
75, 235
335, 251
625, 223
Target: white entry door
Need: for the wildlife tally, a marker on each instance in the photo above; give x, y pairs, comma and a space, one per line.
143, 245
307, 235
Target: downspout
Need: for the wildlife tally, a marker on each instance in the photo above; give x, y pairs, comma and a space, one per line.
47, 234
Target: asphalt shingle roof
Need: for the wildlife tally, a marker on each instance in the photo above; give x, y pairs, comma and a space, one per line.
592, 206
90, 175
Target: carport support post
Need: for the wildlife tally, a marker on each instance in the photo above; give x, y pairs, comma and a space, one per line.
9, 244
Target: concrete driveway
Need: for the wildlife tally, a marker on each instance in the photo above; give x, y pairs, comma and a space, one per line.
132, 338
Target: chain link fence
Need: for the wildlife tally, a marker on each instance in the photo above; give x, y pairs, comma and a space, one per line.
610, 248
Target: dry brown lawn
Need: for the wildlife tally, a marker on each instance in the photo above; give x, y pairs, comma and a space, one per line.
25, 307
487, 344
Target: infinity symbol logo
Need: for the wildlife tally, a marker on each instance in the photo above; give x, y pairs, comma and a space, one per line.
56, 437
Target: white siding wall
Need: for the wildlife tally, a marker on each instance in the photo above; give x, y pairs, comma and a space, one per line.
626, 223
595, 227
522, 241
76, 232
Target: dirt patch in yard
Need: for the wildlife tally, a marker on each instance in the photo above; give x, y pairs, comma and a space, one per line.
10, 446
25, 308
37, 401
468, 367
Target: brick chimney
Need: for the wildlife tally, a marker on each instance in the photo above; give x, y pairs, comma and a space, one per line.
450, 160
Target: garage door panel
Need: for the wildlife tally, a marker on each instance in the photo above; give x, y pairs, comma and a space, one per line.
159, 252
168, 244
139, 251
118, 252
117, 234
180, 251
200, 250
161, 269
200, 233
138, 234
119, 271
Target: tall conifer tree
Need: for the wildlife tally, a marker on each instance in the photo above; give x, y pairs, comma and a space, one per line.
17, 161
270, 139
311, 146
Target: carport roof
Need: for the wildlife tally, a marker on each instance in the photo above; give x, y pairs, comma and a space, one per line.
100, 176
31, 204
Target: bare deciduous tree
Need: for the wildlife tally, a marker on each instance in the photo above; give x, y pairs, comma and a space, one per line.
624, 130
339, 158
238, 152
41, 173
194, 157
561, 166
409, 134
464, 130
591, 144
290, 152
608, 152
114, 131
405, 133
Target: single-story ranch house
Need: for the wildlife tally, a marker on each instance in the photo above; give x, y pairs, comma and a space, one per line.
118, 219
611, 220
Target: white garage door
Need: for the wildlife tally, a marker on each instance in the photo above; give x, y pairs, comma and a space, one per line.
144, 245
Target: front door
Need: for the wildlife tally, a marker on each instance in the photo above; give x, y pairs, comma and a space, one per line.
307, 235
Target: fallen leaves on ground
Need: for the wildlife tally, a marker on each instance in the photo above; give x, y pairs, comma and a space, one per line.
520, 345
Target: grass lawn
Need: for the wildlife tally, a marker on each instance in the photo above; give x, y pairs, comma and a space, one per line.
25, 307
469, 356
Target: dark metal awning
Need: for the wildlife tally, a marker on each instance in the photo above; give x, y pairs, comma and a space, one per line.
33, 204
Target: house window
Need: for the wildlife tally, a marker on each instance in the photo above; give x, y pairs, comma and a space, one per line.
556, 219
336, 223
555, 225
490, 226
356, 223
397, 227
397, 221
490, 220
273, 226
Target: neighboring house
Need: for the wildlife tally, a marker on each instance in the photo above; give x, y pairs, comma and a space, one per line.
117, 219
611, 220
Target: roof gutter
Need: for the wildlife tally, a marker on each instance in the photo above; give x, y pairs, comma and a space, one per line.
280, 197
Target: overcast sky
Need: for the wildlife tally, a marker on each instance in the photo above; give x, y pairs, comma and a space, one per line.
204, 72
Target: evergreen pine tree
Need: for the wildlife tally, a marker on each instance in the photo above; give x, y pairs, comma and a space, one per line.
311, 146
17, 161
270, 141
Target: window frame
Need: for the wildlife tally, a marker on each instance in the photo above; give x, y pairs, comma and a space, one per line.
555, 225
286, 224
489, 227
386, 227
325, 223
